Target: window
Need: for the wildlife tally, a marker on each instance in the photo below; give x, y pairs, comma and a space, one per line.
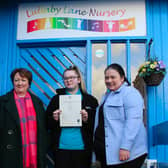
130, 61
99, 63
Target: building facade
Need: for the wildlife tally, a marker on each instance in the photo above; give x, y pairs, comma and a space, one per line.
47, 55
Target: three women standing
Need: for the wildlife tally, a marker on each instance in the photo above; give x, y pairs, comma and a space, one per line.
120, 136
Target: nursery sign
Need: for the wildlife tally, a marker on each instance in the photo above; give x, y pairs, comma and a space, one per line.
81, 19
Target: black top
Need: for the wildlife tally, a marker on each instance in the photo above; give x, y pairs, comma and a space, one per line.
11, 140
99, 142
99, 139
89, 103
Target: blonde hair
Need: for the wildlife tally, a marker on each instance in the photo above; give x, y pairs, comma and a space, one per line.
82, 83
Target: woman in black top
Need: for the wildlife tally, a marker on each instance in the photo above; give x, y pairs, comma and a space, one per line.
72, 146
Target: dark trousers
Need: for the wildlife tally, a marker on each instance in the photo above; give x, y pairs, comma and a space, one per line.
136, 163
72, 158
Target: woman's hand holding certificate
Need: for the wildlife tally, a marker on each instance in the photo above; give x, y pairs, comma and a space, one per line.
56, 114
84, 115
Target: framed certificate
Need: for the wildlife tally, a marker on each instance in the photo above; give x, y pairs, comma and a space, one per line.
70, 105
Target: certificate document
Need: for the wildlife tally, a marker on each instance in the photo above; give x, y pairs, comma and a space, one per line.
70, 105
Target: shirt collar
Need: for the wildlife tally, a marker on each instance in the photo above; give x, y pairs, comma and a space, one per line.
77, 93
119, 89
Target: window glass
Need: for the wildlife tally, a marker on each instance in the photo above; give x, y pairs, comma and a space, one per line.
99, 63
138, 51
118, 53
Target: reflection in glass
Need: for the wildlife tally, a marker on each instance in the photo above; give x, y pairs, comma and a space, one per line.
118, 52
99, 62
138, 51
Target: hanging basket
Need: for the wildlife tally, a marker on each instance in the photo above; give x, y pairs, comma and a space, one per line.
154, 79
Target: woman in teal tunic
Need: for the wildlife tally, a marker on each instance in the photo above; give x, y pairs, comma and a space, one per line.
72, 146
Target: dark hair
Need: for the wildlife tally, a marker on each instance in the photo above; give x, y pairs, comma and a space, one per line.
76, 69
23, 72
119, 69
